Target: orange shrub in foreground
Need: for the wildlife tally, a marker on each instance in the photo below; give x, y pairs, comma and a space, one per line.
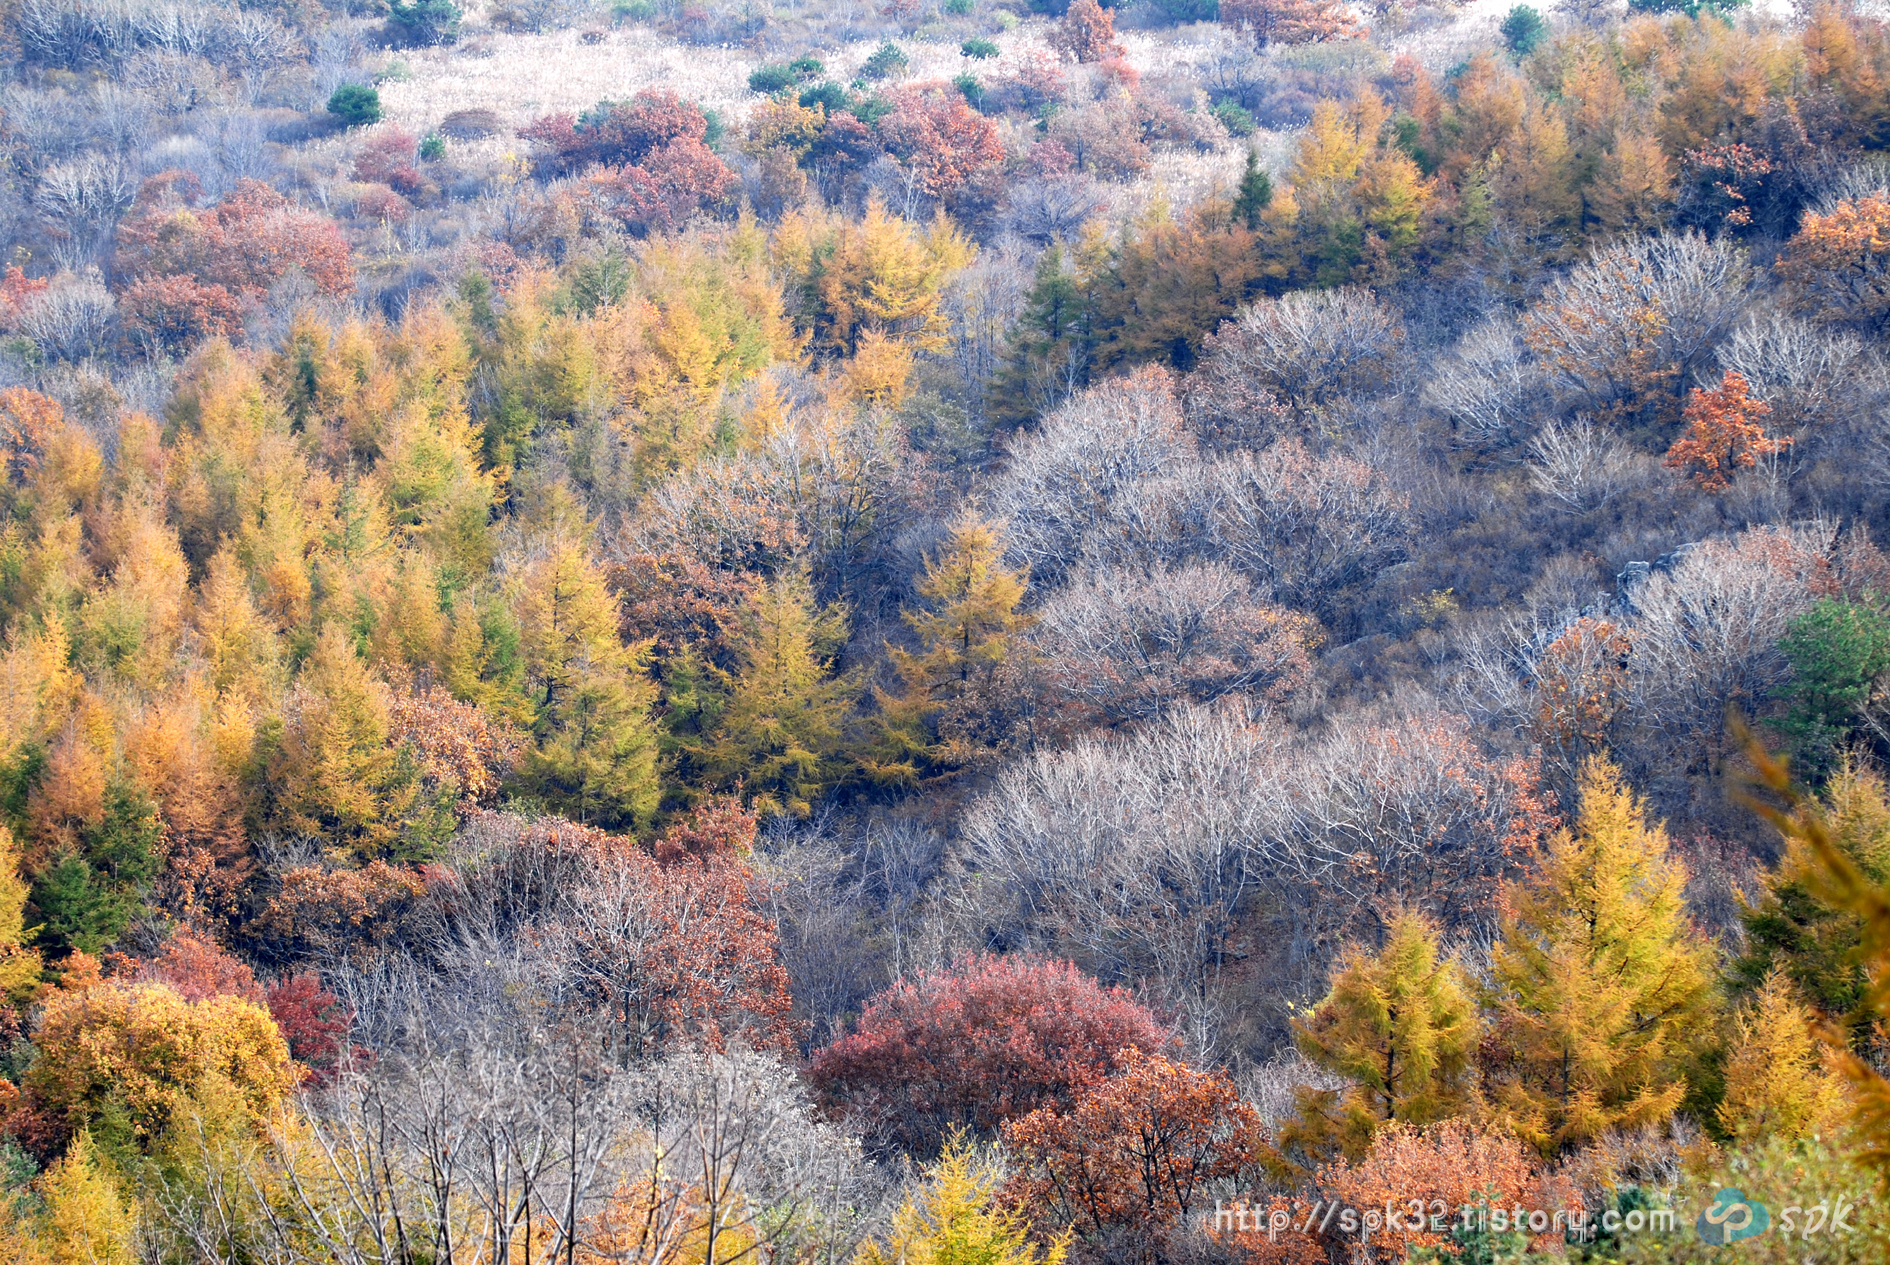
1426, 1176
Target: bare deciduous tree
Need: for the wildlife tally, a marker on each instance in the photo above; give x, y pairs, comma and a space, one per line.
1129, 643
1488, 384
470, 1147
1582, 466
1192, 851
1065, 489
1310, 349
72, 318
1306, 526
84, 199
1639, 319
1706, 630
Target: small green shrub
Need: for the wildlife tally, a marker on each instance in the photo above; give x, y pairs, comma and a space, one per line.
885, 62
1692, 8
1523, 29
633, 10
968, 84
830, 95
1234, 117
1179, 11
432, 147
769, 80
979, 47
424, 23
356, 105
959, 8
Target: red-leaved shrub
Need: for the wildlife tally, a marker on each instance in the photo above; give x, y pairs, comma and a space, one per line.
986, 1041
246, 243
940, 138
388, 159
171, 313
313, 1021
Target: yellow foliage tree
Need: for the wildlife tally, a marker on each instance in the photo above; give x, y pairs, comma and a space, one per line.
1833, 876
135, 1059
1402, 1026
955, 1219
880, 273
782, 726
86, 1221
707, 316
969, 627
1780, 1081
1532, 175
240, 474
334, 773
878, 374
1359, 201
1600, 984
19, 966
589, 696
240, 646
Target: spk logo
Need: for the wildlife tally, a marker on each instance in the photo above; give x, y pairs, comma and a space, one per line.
1731, 1218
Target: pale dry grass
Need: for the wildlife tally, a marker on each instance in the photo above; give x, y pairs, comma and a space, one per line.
525, 76
522, 76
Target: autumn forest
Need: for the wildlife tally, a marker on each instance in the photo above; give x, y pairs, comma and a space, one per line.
955, 632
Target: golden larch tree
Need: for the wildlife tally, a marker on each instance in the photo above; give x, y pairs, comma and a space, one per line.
1600, 984
968, 628
1780, 1079
1402, 1025
783, 723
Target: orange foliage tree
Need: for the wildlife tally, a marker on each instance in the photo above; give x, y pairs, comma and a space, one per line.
1581, 686
16, 291
27, 420
672, 946
1087, 33
1722, 434
1839, 262
196, 967
1134, 1153
1291, 21
321, 911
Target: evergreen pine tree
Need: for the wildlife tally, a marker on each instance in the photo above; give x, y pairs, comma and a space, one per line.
1048, 358
1816, 946
1255, 193
87, 895
1600, 984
